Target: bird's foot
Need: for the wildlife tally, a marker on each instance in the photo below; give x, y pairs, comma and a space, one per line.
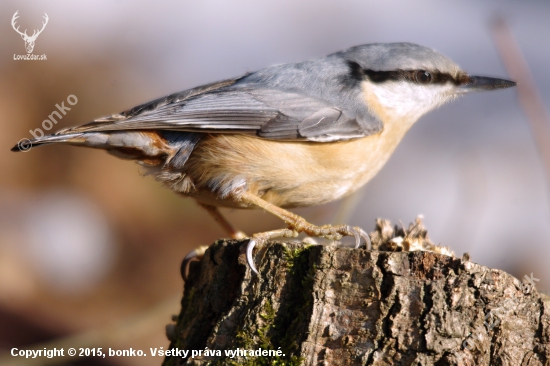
198, 253
260, 238
239, 235
195, 254
332, 232
297, 224
300, 225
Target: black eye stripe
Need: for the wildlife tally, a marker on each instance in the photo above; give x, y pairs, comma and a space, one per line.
410, 75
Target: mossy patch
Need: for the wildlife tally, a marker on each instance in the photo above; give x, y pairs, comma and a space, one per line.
285, 327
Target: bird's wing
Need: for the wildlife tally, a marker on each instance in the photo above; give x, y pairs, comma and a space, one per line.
216, 108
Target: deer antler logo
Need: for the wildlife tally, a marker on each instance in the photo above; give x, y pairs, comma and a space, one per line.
29, 40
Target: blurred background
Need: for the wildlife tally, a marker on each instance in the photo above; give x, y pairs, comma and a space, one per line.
87, 242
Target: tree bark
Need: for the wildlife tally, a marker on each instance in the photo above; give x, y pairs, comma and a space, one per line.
328, 305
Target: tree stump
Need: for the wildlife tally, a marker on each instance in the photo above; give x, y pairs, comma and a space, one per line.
329, 305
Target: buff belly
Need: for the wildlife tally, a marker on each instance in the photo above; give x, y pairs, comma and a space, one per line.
287, 174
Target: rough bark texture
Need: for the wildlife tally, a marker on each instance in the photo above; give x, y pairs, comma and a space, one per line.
327, 305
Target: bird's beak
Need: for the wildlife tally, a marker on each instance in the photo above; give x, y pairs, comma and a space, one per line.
481, 83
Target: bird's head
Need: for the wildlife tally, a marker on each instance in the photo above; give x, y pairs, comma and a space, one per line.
404, 80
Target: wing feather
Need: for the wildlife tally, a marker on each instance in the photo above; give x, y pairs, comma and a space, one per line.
230, 108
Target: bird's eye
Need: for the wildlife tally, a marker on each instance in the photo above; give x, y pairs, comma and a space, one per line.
423, 77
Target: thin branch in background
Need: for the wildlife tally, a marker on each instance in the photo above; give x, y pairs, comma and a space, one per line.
529, 98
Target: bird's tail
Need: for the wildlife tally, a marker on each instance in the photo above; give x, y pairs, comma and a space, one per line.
151, 147
146, 146
27, 144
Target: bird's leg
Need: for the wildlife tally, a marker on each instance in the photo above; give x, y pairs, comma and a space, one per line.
226, 225
198, 253
297, 224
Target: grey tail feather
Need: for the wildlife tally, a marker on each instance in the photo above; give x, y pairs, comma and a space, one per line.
27, 144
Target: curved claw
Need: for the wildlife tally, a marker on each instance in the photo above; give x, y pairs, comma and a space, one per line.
355, 233
194, 254
249, 258
365, 236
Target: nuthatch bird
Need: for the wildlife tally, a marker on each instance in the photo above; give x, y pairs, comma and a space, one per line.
286, 136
